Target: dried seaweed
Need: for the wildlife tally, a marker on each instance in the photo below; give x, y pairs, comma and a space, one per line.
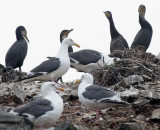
133, 62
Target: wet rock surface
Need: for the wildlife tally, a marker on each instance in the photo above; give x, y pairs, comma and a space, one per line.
136, 78
11, 122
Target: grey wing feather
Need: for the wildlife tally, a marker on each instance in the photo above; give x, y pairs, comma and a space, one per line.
35, 108
95, 92
85, 56
48, 66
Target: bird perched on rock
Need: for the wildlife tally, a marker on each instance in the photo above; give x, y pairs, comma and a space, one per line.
88, 60
45, 111
95, 96
144, 36
53, 68
117, 40
18, 51
63, 35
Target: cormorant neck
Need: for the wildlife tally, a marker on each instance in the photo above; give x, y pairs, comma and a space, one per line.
19, 36
62, 37
113, 30
144, 23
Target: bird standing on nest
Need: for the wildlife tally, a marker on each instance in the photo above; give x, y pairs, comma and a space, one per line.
144, 36
88, 60
117, 40
18, 51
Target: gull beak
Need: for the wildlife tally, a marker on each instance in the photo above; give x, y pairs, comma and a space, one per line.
60, 89
75, 44
77, 81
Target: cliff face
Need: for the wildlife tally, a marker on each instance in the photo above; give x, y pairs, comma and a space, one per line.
136, 78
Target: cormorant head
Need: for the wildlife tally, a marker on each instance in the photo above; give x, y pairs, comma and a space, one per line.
21, 32
108, 14
142, 10
64, 34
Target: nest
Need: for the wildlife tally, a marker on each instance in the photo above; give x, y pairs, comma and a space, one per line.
132, 62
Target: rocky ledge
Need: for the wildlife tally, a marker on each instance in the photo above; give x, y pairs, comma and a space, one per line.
136, 78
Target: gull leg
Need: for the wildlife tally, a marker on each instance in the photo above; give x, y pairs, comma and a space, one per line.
98, 115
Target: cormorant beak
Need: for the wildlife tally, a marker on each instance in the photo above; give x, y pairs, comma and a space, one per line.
77, 81
66, 33
70, 31
24, 34
142, 10
75, 44
26, 38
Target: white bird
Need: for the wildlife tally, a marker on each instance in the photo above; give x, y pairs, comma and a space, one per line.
88, 60
46, 111
95, 96
53, 68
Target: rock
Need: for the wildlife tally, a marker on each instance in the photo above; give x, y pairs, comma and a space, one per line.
140, 102
67, 125
11, 122
79, 127
132, 92
158, 56
142, 86
141, 117
156, 115
152, 94
10, 75
18, 94
1, 69
131, 80
131, 126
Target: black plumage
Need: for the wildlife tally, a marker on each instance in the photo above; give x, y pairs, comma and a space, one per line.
63, 35
36, 108
18, 51
117, 40
144, 36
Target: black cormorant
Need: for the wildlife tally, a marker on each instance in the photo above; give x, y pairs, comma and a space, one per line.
63, 35
117, 40
144, 36
18, 51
